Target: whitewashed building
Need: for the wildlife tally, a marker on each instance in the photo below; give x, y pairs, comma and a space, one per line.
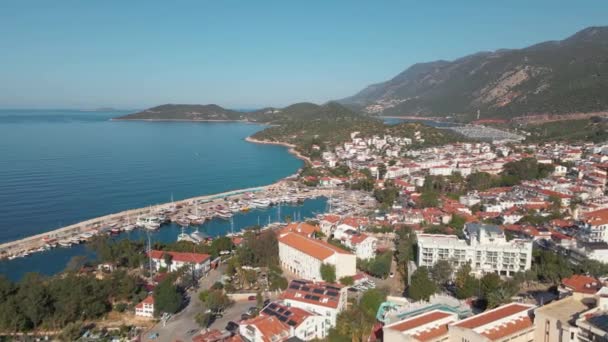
200, 263
304, 256
595, 228
278, 322
485, 247
145, 308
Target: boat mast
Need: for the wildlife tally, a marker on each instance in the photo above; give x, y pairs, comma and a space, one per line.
149, 251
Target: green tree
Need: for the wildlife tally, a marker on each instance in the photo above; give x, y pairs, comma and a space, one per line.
328, 273
428, 199
405, 241
356, 323
168, 258
490, 282
347, 281
379, 266
203, 319
480, 181
441, 272
34, 299
499, 296
465, 282
71, 332
217, 301
167, 297
422, 287
381, 171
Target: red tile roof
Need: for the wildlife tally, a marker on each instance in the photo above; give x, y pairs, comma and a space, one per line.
509, 328
432, 334
357, 239
419, 320
147, 300
597, 218
301, 228
331, 218
582, 284
492, 315
268, 326
317, 249
180, 256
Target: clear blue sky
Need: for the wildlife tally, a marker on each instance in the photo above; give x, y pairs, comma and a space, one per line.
249, 53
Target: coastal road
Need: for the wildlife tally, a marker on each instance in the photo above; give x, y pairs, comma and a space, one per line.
180, 324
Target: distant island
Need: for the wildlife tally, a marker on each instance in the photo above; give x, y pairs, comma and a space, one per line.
306, 127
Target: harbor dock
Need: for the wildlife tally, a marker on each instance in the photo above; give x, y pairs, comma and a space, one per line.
191, 211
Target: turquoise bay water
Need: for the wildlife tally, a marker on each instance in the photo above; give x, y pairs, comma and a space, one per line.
59, 167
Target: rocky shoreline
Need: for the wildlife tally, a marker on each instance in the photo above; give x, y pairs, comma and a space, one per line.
291, 147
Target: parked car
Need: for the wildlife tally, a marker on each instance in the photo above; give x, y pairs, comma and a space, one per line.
245, 316
392, 274
232, 326
251, 298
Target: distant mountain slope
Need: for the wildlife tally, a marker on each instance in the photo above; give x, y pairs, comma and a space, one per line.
564, 76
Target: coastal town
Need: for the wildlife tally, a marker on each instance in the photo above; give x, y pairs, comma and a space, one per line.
485, 241
294, 171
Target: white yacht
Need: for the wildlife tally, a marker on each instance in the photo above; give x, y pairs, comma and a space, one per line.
148, 222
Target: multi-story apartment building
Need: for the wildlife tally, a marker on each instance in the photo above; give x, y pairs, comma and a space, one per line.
595, 226
485, 247
304, 256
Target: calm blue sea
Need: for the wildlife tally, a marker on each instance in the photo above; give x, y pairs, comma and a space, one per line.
59, 167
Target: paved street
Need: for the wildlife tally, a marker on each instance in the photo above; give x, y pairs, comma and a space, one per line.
183, 322
232, 314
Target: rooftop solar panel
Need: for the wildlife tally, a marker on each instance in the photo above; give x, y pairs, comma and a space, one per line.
287, 313
333, 288
315, 298
333, 294
319, 291
295, 287
272, 306
268, 311
292, 323
282, 318
600, 321
280, 310
307, 296
305, 288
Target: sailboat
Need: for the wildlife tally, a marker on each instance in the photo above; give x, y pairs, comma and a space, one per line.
231, 228
129, 227
184, 237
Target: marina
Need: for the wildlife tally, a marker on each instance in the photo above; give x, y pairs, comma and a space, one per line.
192, 219
53, 261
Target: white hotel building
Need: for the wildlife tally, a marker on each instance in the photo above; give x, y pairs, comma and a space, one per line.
304, 256
485, 247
